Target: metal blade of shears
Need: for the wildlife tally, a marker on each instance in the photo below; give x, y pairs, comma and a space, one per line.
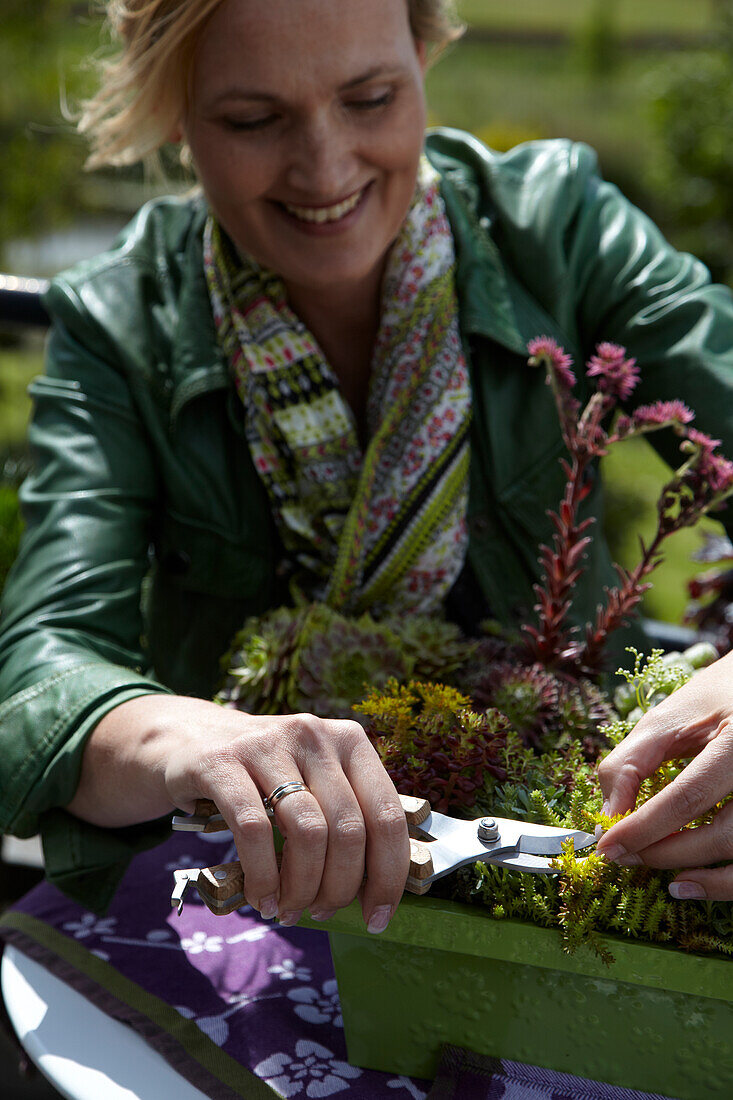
551, 846
205, 819
523, 846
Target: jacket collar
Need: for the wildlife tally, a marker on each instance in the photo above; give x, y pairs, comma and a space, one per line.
492, 301
197, 362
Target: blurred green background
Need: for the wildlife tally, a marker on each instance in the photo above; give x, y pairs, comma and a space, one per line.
646, 82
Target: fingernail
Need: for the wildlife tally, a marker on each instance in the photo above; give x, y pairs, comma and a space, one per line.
322, 914
606, 809
379, 919
629, 861
287, 920
268, 907
686, 889
613, 853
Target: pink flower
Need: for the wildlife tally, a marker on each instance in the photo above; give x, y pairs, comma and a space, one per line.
624, 425
717, 471
617, 376
712, 471
662, 413
700, 439
544, 351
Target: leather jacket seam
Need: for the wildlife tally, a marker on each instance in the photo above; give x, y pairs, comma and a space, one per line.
20, 698
47, 741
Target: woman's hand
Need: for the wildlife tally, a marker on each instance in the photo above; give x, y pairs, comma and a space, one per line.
158, 752
695, 721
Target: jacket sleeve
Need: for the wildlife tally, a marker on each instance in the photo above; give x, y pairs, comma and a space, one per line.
71, 644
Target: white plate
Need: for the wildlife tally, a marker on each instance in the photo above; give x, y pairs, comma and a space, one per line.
84, 1053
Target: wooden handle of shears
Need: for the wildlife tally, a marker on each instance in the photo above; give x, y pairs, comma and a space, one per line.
226, 880
206, 808
421, 860
221, 882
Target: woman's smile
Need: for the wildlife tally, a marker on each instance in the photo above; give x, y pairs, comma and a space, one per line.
326, 212
306, 125
327, 219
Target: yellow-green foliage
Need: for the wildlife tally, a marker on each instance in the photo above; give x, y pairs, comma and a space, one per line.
433, 743
591, 897
396, 709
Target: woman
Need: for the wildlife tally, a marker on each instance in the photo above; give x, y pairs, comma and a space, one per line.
269, 386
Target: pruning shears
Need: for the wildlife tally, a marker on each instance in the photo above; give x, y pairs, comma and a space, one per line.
438, 845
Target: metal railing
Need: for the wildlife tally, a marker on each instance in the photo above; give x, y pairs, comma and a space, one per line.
20, 301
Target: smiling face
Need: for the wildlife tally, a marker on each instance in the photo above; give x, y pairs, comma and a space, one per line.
306, 121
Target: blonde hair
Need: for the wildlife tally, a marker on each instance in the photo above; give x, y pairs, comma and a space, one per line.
143, 89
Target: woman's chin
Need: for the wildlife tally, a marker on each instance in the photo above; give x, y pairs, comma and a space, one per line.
337, 274
336, 285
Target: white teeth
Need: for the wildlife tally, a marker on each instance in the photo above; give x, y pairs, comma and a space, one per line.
322, 214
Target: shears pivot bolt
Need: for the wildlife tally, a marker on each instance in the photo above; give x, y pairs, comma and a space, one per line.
488, 829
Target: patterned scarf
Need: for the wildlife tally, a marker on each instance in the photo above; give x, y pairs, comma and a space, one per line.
383, 530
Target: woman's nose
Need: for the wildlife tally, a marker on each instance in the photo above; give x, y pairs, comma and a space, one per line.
322, 160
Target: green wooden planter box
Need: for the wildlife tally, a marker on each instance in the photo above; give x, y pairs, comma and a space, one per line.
657, 1020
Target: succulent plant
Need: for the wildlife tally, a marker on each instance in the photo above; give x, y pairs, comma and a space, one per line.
312, 658
258, 667
583, 709
438, 649
309, 659
526, 693
515, 740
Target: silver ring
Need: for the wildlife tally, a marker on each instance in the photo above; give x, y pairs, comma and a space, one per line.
280, 792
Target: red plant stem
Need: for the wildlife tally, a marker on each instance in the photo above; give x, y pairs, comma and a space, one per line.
678, 506
621, 604
561, 568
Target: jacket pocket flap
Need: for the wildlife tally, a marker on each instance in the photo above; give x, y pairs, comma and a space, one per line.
199, 559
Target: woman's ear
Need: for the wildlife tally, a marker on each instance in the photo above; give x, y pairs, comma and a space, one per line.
175, 137
422, 54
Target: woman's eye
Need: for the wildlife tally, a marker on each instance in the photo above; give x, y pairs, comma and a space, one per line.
248, 124
372, 104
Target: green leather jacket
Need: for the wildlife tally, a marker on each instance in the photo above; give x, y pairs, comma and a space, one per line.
143, 482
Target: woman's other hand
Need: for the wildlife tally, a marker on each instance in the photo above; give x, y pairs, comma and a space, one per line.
155, 753
694, 722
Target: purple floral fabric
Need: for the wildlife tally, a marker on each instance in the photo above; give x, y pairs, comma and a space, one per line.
264, 995
463, 1075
